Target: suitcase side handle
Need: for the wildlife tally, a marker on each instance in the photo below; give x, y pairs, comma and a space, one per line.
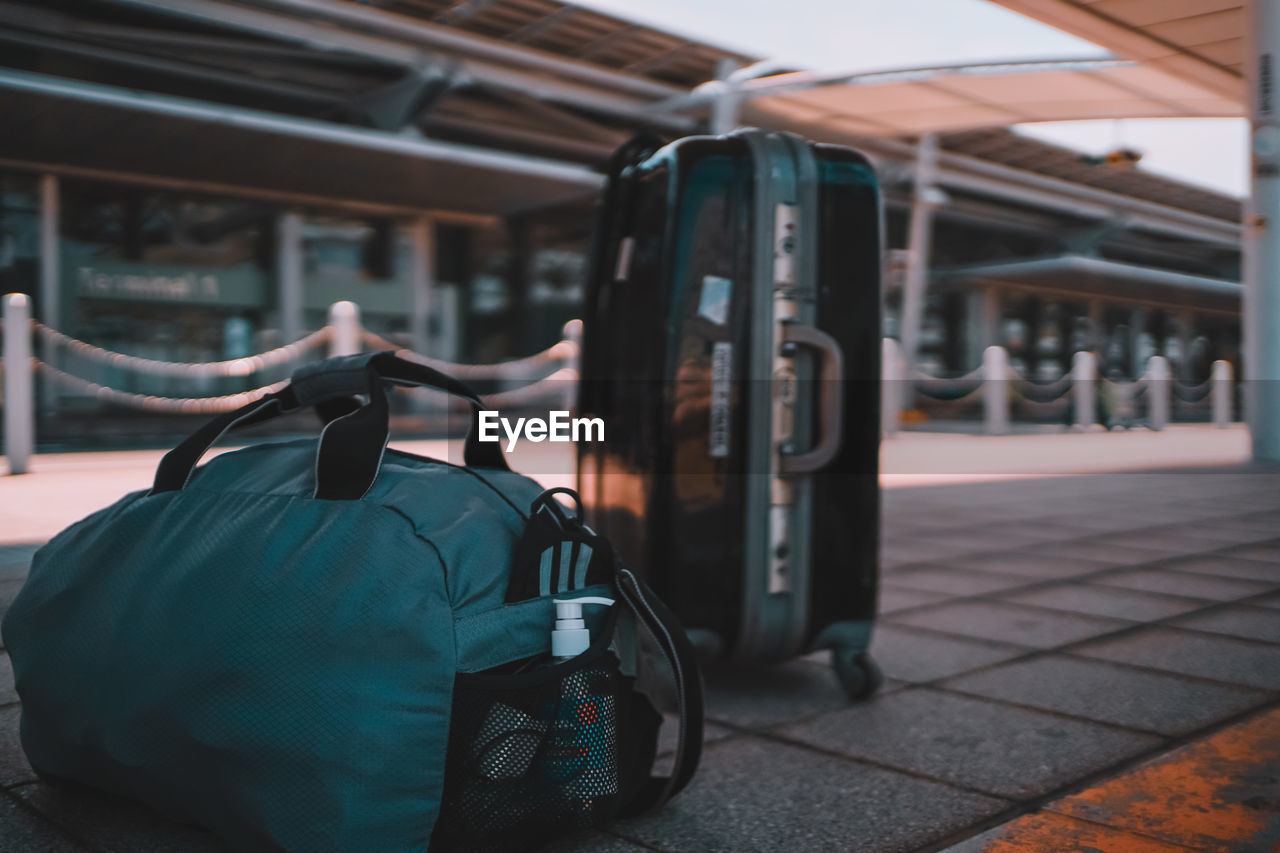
830, 400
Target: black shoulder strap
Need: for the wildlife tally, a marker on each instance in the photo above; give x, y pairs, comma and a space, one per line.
665, 629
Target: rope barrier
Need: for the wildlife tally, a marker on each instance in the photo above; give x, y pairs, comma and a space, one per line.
517, 369
962, 401
946, 390
1055, 408
920, 376
1039, 392
1192, 394
235, 367
173, 405
561, 383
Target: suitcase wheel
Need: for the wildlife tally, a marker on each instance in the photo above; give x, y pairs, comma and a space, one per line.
858, 673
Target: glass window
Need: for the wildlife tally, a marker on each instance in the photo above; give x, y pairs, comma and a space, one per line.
19, 235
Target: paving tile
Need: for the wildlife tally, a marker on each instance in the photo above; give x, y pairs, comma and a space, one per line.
8, 693
1225, 567
1185, 584
8, 591
20, 830
19, 553
999, 749
1218, 793
1104, 553
1158, 545
1193, 653
1042, 831
1214, 531
1267, 551
916, 656
14, 769
1019, 625
947, 579
592, 842
670, 732
759, 696
14, 570
896, 553
1029, 564
1250, 623
753, 795
1109, 522
1110, 694
893, 599
115, 824
1109, 601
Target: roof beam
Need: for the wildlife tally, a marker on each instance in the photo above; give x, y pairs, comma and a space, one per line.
403, 41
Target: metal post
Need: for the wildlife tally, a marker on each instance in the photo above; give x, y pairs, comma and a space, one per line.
344, 325
920, 239
891, 378
983, 322
448, 342
289, 274
1220, 388
573, 334
727, 103
1082, 379
995, 390
50, 281
1096, 332
422, 281
1262, 234
19, 399
1157, 392
1137, 327
1186, 335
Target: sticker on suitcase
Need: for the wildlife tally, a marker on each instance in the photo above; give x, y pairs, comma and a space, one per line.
713, 303
721, 390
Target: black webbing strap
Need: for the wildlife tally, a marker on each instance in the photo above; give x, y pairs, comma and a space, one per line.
352, 443
665, 629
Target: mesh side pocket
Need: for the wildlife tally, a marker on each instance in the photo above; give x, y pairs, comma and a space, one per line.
542, 754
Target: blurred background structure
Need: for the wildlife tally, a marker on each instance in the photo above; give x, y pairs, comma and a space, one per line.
198, 180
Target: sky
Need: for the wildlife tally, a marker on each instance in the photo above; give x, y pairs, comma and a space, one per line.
869, 35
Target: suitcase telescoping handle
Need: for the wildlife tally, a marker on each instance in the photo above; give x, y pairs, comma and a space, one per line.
830, 400
353, 440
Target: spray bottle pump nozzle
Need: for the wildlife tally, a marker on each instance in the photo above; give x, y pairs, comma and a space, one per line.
570, 636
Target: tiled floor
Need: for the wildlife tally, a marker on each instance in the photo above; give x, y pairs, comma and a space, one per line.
1039, 635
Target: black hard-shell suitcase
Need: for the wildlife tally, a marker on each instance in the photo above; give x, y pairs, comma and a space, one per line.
732, 348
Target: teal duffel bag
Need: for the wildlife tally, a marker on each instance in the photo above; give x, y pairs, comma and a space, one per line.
322, 644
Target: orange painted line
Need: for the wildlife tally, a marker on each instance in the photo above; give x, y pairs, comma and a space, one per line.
1045, 831
1220, 793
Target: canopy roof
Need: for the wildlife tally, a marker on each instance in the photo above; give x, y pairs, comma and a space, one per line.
963, 98
1081, 275
1200, 41
140, 136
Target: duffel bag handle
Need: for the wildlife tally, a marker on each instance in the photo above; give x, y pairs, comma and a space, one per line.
352, 444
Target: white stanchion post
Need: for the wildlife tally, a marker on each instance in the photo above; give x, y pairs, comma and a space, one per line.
1157, 392
573, 334
1082, 381
890, 379
995, 390
19, 389
344, 323
1220, 389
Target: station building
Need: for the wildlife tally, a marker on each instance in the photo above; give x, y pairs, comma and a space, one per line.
197, 180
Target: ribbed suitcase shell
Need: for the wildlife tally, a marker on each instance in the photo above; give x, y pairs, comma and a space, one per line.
702, 247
